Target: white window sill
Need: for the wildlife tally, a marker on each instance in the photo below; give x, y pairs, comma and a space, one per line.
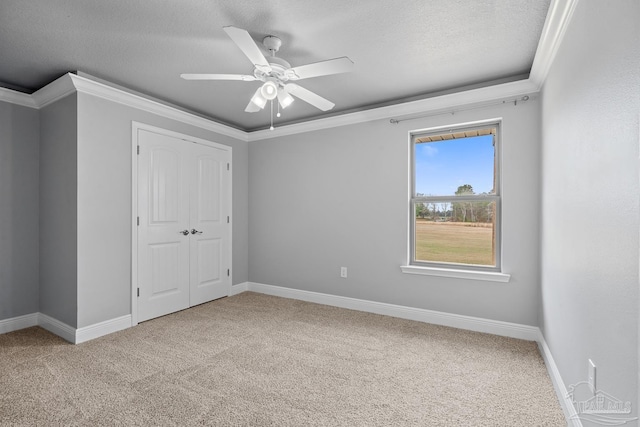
490, 276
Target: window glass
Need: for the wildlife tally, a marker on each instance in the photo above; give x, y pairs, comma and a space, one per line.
443, 166
455, 202
443, 234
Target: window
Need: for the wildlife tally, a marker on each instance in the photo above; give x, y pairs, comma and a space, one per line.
455, 198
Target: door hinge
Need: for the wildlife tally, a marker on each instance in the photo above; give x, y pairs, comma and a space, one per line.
228, 272
228, 166
138, 220
138, 149
227, 219
138, 291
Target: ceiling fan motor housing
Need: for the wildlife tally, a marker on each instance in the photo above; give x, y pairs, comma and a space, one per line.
278, 70
272, 43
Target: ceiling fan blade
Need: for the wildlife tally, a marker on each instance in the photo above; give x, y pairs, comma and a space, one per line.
252, 107
322, 68
243, 77
308, 96
249, 47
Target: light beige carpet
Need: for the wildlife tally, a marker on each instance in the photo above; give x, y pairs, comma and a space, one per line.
256, 360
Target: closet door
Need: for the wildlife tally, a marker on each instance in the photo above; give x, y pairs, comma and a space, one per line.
209, 223
184, 231
163, 232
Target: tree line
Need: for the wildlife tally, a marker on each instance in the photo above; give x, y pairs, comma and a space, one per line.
478, 211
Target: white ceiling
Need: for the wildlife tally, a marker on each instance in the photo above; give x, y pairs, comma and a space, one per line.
402, 49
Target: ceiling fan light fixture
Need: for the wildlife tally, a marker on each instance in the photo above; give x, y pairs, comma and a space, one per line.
258, 99
269, 90
284, 99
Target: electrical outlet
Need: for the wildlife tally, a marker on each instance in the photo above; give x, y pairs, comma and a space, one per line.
343, 272
592, 375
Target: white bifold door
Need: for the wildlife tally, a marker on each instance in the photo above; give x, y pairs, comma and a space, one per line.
184, 247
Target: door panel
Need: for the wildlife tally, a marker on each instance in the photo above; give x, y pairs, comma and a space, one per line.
210, 202
165, 183
209, 262
163, 208
165, 261
209, 178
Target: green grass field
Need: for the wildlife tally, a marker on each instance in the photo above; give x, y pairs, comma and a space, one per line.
457, 242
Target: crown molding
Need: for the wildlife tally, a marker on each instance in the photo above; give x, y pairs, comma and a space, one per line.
556, 23
70, 83
482, 95
555, 27
54, 91
17, 98
44, 96
121, 96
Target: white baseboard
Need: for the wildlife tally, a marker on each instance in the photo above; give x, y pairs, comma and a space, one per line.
57, 327
513, 330
561, 390
239, 288
103, 328
69, 333
19, 322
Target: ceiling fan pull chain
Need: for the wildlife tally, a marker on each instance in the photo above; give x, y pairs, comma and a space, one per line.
271, 128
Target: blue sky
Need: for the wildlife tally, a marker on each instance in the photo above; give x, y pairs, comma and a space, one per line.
443, 166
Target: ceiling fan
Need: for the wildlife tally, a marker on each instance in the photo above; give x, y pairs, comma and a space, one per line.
276, 74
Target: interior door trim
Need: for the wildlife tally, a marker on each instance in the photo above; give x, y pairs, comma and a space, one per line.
136, 127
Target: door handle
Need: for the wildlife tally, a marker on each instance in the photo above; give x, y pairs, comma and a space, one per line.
194, 231
184, 232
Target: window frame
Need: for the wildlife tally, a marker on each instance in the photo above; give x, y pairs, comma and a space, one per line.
485, 272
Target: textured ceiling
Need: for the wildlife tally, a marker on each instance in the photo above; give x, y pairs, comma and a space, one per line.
402, 49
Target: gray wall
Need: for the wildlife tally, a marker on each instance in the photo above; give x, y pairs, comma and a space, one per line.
591, 103
19, 259
104, 204
338, 197
58, 210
